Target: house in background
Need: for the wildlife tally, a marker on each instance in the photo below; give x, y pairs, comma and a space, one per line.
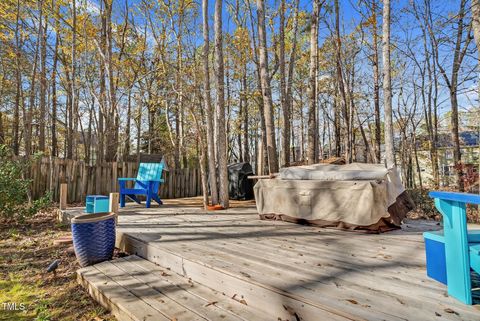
469, 146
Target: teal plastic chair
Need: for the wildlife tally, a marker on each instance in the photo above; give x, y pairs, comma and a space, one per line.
460, 254
147, 183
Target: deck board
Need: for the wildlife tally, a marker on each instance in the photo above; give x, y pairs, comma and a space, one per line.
324, 273
138, 290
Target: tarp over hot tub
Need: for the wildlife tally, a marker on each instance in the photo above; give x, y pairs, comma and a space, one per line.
354, 196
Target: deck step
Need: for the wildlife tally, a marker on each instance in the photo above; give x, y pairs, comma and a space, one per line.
273, 280
269, 300
136, 289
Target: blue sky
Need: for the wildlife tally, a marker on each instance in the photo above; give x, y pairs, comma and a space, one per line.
349, 19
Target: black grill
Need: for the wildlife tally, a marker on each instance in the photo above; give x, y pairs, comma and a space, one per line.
239, 186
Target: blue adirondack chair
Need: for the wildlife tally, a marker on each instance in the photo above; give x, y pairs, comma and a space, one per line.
147, 183
460, 254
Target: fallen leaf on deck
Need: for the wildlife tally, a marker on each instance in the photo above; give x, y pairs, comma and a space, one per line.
245, 274
211, 303
242, 301
448, 310
352, 301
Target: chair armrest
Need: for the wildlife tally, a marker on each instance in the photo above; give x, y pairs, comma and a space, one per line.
127, 179
456, 197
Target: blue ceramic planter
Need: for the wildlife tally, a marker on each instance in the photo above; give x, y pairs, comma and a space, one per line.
93, 237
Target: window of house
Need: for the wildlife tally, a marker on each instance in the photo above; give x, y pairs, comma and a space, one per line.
446, 170
449, 154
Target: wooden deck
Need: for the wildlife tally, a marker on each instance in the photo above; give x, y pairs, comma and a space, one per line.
282, 270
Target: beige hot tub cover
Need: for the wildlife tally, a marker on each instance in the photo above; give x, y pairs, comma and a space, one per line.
353, 196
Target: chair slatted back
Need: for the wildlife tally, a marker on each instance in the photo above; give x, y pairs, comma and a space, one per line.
149, 172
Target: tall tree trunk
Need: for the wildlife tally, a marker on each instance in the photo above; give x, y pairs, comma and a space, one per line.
291, 66
245, 149
283, 90
18, 75
111, 119
151, 124
126, 151
341, 86
376, 85
266, 90
43, 88
208, 107
74, 102
220, 106
180, 112
476, 34
53, 122
138, 122
202, 149
387, 86
430, 119
261, 153
28, 113
415, 152
312, 146
336, 123
227, 110
302, 128
103, 95
88, 140
2, 131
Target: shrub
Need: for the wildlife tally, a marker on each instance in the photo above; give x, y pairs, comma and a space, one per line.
14, 188
424, 205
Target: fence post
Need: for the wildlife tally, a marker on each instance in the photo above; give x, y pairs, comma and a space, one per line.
113, 205
63, 196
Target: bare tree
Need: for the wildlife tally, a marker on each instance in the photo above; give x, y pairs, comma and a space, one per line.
283, 89
452, 84
387, 86
74, 102
291, 67
261, 153
266, 90
207, 100
312, 146
53, 121
43, 88
376, 85
18, 80
476, 34
429, 84
28, 113
220, 106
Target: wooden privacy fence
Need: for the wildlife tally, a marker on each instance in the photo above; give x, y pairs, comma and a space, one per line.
83, 179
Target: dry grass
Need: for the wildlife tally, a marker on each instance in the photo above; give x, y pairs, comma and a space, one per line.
26, 250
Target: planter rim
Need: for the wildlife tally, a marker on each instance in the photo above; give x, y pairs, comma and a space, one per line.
90, 218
